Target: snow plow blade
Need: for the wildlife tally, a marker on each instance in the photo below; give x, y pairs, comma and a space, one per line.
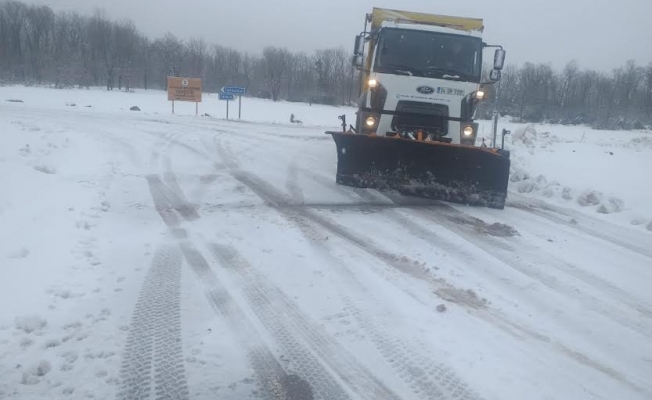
456, 173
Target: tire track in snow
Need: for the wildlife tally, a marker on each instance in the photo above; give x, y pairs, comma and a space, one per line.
167, 201
449, 217
153, 357
403, 264
267, 301
426, 378
171, 180
169, 139
554, 284
595, 280
461, 224
494, 318
299, 216
466, 227
276, 199
430, 380
292, 184
124, 146
262, 297
547, 213
443, 376
446, 292
396, 204
275, 382
162, 206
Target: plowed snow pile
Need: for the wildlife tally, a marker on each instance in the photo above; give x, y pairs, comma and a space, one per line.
602, 172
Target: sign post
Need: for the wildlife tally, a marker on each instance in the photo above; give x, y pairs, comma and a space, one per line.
228, 97
235, 90
185, 89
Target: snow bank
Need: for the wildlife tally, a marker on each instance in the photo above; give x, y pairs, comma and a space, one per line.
526, 135
155, 102
600, 172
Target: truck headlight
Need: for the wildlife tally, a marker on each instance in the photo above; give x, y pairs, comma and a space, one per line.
368, 122
479, 94
468, 133
372, 83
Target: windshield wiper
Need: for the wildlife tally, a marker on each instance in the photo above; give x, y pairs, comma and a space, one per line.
446, 73
405, 72
400, 69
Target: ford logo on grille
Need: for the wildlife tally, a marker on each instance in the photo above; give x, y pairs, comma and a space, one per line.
425, 90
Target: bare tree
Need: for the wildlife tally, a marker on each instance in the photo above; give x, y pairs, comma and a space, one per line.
13, 23
568, 87
233, 64
68, 48
626, 84
647, 91
38, 30
197, 51
169, 53
248, 69
216, 66
277, 61
586, 92
325, 64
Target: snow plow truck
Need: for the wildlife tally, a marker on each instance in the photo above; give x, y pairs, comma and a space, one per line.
414, 132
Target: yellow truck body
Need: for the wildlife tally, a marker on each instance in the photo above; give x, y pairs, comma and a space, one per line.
379, 15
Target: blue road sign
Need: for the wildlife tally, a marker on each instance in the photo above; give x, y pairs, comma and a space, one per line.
227, 96
233, 89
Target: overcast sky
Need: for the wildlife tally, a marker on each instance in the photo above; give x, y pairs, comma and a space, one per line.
601, 34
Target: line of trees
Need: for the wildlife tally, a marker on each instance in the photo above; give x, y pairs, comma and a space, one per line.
68, 49
621, 99
40, 46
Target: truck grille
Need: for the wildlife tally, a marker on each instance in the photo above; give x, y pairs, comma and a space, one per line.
429, 117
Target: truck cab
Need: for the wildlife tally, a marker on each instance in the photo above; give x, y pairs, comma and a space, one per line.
422, 76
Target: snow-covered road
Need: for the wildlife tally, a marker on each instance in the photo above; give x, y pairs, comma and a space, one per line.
182, 257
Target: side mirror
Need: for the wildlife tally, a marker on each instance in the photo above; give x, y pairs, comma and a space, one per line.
499, 59
356, 61
495, 75
358, 49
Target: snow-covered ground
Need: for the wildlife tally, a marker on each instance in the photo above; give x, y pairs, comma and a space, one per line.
182, 257
603, 172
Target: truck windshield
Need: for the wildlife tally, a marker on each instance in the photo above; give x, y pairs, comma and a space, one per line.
429, 54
